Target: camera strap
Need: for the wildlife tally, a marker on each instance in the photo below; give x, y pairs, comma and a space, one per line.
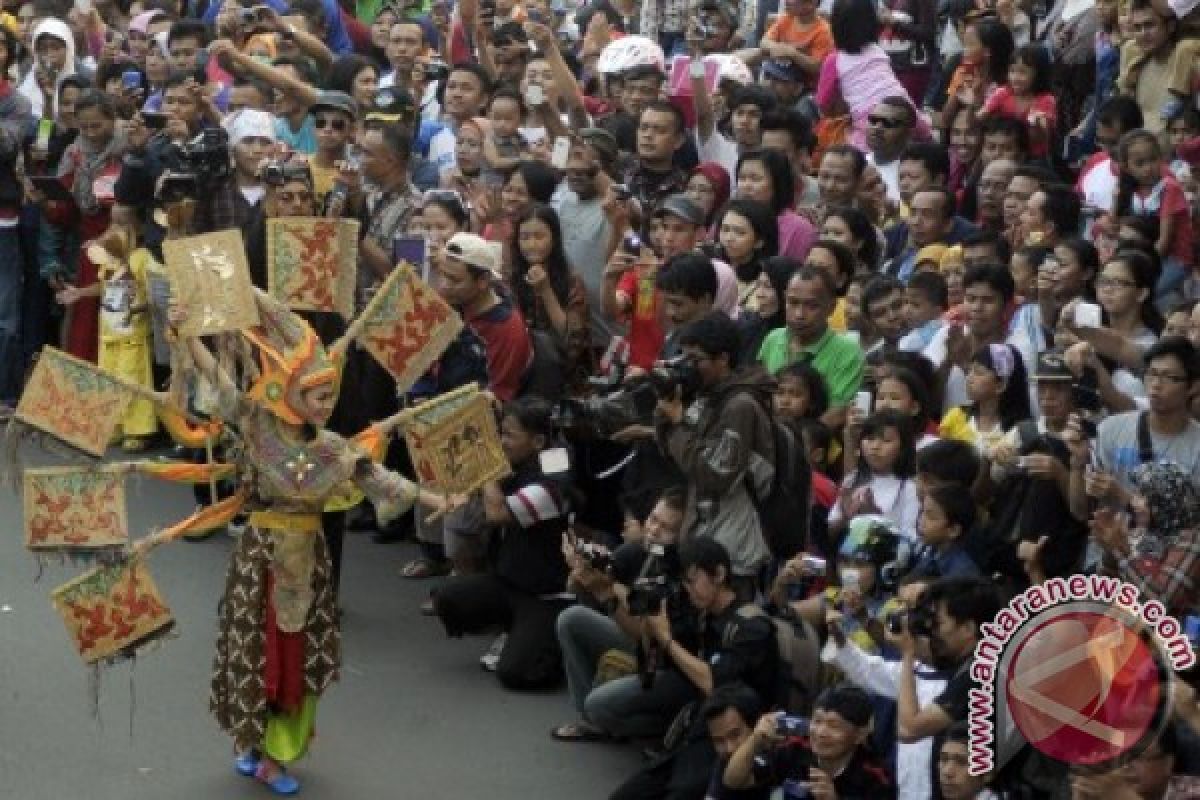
1145, 443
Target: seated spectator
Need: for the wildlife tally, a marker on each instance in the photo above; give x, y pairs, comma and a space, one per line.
947, 516
881, 677
527, 513
830, 760
959, 606
730, 713
736, 645
626, 706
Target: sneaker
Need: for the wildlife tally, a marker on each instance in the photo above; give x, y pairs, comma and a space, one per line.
491, 659
247, 763
1171, 109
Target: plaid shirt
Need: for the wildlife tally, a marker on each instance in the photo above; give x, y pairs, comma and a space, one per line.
1174, 580
663, 16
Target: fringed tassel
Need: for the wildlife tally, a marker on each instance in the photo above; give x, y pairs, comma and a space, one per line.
78, 558
18, 434
96, 671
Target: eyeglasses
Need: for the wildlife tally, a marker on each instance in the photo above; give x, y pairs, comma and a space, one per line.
885, 122
1112, 282
337, 123
1166, 377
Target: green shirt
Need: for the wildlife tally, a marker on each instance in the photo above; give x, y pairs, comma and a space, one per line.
836, 357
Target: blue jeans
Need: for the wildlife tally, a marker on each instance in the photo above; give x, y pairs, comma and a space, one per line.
11, 297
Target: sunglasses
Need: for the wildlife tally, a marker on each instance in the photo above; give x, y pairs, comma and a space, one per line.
885, 122
337, 123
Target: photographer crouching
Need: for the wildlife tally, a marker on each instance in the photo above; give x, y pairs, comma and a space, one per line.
822, 759
723, 442
624, 583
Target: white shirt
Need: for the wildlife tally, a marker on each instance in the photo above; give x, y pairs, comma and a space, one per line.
879, 676
719, 149
1099, 186
890, 172
896, 499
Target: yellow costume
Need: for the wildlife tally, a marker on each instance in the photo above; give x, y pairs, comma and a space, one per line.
125, 331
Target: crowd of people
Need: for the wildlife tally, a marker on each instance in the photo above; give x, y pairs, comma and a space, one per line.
870, 313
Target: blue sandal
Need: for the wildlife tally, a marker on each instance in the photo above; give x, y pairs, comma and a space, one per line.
282, 783
247, 763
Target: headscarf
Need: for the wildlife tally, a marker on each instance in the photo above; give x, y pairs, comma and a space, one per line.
727, 290
1172, 501
719, 178
250, 123
29, 87
83, 163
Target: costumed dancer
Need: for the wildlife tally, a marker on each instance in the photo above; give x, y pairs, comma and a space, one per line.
278, 646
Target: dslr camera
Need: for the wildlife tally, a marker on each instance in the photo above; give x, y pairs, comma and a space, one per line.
918, 620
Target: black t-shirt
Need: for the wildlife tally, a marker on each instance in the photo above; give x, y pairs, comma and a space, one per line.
529, 552
628, 560
741, 648
862, 778
954, 698
717, 790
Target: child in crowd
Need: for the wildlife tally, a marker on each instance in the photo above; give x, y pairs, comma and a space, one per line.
124, 324
1146, 188
947, 514
503, 146
882, 480
999, 393
926, 299
1028, 97
902, 390
800, 393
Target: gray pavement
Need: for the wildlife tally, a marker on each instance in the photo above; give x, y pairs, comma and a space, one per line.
413, 716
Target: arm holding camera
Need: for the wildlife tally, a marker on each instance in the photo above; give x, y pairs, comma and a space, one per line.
694, 668
914, 722
568, 88
240, 63
739, 772
1082, 356
311, 46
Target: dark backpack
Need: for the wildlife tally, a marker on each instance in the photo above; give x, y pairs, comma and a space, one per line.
798, 677
784, 513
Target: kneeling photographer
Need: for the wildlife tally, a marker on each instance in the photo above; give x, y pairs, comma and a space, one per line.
737, 645
821, 759
627, 584
724, 444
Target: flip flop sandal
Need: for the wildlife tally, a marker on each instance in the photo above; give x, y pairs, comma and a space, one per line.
578, 732
421, 568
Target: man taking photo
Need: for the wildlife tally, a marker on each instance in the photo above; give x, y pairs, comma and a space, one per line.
723, 443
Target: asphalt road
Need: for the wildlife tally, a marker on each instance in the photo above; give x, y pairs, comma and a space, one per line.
414, 716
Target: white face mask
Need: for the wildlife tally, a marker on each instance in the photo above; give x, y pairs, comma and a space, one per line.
850, 578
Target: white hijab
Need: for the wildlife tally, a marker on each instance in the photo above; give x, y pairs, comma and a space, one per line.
29, 87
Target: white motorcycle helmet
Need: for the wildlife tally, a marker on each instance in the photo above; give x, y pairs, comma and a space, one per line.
629, 52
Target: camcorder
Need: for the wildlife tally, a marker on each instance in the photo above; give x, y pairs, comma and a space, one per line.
918, 620
196, 164
602, 415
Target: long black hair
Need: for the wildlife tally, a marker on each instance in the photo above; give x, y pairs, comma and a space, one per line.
862, 229
855, 25
783, 180
558, 271
997, 39
1013, 406
765, 225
